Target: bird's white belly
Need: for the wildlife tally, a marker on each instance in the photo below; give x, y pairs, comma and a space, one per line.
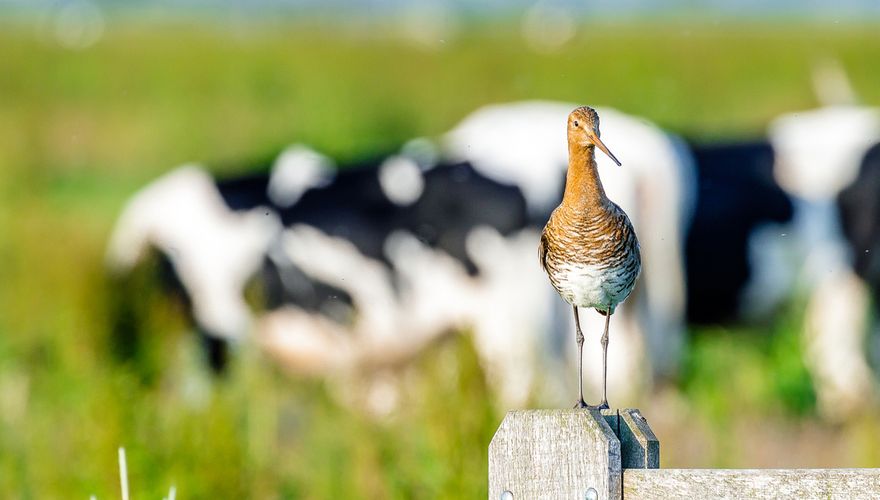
593, 286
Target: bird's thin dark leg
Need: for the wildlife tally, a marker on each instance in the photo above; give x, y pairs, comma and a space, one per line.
580, 342
604, 403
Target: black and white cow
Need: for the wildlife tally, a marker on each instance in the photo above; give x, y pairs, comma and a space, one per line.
818, 153
776, 219
299, 232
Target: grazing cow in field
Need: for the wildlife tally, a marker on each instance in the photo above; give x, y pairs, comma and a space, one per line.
213, 251
774, 219
387, 252
768, 225
818, 153
215, 237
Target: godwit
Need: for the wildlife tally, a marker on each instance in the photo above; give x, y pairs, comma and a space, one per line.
589, 248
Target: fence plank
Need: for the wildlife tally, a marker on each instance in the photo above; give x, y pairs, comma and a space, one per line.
549, 454
639, 447
751, 483
613, 454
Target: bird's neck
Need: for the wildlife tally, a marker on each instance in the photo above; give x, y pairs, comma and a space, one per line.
583, 188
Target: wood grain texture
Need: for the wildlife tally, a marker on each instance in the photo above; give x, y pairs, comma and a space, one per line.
639, 447
544, 454
554, 454
751, 483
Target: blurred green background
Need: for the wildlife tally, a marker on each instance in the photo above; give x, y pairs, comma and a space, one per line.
82, 129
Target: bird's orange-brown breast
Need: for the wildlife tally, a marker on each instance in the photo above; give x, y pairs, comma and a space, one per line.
591, 255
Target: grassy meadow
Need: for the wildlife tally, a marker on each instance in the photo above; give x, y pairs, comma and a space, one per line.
80, 131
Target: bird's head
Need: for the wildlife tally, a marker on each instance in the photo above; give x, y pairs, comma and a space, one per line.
583, 130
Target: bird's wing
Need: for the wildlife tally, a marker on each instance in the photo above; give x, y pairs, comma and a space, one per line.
542, 251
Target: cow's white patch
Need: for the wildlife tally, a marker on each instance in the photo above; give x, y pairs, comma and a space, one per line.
834, 351
296, 170
401, 180
512, 313
214, 250
337, 262
306, 344
818, 152
436, 292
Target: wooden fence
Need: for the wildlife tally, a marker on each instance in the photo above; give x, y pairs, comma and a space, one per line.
613, 454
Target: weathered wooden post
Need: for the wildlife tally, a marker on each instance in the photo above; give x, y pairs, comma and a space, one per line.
579, 454
575, 454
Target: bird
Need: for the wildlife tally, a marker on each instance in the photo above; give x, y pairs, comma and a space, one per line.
589, 247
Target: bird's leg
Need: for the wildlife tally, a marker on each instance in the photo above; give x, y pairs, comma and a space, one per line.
580, 342
604, 404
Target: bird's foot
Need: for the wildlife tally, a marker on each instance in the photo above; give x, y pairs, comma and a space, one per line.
583, 405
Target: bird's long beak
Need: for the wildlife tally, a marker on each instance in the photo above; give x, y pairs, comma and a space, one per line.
598, 142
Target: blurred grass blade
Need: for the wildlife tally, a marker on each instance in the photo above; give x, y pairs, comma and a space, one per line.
123, 474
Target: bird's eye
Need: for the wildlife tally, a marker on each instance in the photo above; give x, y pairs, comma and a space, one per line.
575, 123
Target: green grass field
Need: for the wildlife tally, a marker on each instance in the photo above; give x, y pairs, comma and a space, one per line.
81, 131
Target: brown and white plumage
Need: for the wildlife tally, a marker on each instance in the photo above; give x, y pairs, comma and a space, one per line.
599, 274
589, 248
